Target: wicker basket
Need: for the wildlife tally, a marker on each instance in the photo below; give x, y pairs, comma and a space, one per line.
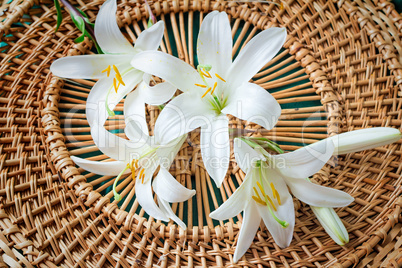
339, 70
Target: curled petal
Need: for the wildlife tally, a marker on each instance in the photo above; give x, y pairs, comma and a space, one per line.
145, 198
151, 38
112, 168
305, 161
166, 208
157, 94
169, 189
107, 32
253, 103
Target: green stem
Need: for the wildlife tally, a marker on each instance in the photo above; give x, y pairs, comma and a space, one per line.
117, 197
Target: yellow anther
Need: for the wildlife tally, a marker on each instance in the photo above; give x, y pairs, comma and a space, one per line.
275, 193
116, 87
217, 75
281, 6
213, 89
256, 193
206, 74
107, 70
118, 76
278, 197
141, 176
261, 189
198, 85
259, 201
206, 92
270, 201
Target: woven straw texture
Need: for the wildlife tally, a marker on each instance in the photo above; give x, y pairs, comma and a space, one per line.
340, 69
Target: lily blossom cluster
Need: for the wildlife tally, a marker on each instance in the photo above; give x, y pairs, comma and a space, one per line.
219, 86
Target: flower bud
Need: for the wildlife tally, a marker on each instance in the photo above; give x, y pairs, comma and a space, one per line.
332, 224
364, 139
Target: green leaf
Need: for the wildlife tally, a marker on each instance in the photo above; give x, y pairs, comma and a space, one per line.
79, 22
79, 39
82, 13
59, 15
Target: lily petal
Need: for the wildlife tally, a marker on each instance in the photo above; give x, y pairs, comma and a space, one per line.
183, 114
305, 161
167, 209
112, 168
134, 115
169, 68
145, 198
87, 66
95, 105
364, 139
258, 52
317, 195
214, 46
102, 91
116, 147
151, 38
169, 189
167, 153
285, 211
158, 94
253, 103
215, 148
236, 202
249, 227
245, 155
107, 32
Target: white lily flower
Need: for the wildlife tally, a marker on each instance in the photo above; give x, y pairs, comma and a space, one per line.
116, 76
216, 88
141, 155
264, 191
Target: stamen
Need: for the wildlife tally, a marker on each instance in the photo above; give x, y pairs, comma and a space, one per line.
117, 197
208, 74
213, 90
259, 201
118, 76
261, 189
256, 193
275, 193
107, 70
272, 203
217, 75
141, 175
114, 85
206, 92
198, 85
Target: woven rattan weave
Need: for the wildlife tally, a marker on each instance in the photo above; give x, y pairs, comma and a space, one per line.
339, 70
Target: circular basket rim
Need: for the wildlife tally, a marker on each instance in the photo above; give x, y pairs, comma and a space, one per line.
77, 182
